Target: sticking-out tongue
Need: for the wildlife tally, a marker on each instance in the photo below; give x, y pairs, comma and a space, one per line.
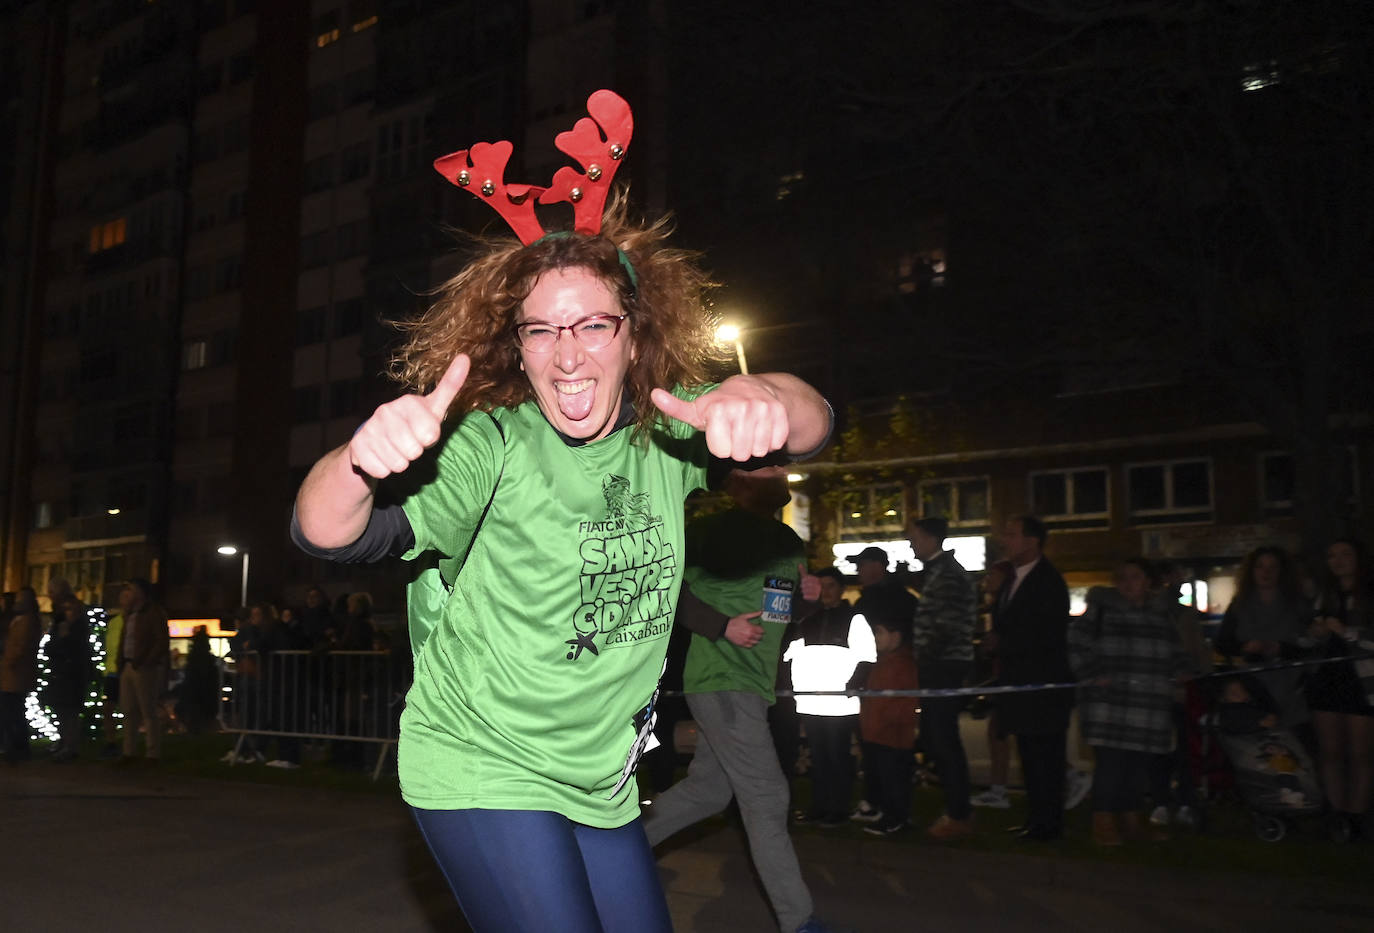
577, 405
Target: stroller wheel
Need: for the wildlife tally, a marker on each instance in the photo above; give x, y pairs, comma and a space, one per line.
1270, 828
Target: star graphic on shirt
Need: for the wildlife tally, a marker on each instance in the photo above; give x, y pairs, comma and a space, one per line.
582, 641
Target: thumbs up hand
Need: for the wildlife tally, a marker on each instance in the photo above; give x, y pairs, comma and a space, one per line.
742, 418
401, 430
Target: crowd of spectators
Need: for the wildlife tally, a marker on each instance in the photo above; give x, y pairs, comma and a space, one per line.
137, 686
1133, 651
1147, 676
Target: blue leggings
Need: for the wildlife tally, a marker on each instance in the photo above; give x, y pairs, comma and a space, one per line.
530, 871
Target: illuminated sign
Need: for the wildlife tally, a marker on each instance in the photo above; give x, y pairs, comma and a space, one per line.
185, 628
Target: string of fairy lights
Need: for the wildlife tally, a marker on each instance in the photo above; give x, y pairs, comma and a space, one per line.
43, 723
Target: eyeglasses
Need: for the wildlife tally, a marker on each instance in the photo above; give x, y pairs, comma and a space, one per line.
593, 333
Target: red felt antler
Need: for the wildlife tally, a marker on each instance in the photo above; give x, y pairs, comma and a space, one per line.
598, 144
482, 170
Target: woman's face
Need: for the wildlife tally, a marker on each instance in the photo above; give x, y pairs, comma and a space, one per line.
1132, 583
1266, 572
1341, 559
578, 390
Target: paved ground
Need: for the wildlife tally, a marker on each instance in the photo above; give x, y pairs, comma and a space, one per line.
91, 847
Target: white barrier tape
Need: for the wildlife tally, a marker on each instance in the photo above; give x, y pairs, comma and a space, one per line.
990, 690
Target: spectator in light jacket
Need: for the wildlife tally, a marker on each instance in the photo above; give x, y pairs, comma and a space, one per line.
144, 651
826, 654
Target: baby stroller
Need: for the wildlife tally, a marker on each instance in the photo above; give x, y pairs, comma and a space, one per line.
1274, 775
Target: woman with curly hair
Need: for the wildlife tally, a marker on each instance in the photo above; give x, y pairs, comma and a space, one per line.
557, 416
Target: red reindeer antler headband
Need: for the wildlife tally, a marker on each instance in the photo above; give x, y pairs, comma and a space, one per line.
598, 144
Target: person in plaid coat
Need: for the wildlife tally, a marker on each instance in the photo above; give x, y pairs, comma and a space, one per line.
1127, 655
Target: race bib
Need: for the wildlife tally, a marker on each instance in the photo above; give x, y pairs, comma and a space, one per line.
777, 600
645, 740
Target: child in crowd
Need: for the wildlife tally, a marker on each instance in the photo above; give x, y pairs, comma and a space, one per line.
888, 728
1242, 709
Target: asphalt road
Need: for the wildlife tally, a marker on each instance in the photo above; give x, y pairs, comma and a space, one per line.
90, 847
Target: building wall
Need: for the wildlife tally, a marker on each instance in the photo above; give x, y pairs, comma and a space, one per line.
1226, 486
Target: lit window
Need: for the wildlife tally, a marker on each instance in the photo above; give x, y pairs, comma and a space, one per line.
362, 14
195, 354
108, 235
872, 508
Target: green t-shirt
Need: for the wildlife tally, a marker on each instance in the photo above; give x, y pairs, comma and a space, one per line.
730, 557
534, 668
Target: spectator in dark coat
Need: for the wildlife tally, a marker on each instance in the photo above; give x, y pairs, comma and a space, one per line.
882, 598
1030, 625
200, 691
69, 678
316, 618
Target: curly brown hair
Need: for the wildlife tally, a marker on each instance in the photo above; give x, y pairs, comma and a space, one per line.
475, 313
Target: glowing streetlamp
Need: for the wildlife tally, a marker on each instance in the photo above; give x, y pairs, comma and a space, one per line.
728, 334
228, 550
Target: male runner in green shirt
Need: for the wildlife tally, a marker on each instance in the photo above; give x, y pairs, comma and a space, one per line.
743, 567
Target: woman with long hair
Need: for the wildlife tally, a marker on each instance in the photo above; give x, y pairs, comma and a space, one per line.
1265, 623
1341, 693
558, 414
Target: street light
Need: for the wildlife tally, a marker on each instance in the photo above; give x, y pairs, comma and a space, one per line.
730, 333
228, 550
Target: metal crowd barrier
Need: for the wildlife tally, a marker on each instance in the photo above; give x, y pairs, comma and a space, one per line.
346, 696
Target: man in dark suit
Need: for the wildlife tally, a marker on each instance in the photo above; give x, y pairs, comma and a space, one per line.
1031, 624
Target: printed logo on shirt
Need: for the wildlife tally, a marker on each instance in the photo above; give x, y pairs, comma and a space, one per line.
627, 573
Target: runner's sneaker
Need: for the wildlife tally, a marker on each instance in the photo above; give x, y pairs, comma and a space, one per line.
994, 797
887, 829
866, 813
1159, 816
1076, 786
1185, 817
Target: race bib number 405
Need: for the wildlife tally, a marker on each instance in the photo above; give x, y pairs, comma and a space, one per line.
777, 600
